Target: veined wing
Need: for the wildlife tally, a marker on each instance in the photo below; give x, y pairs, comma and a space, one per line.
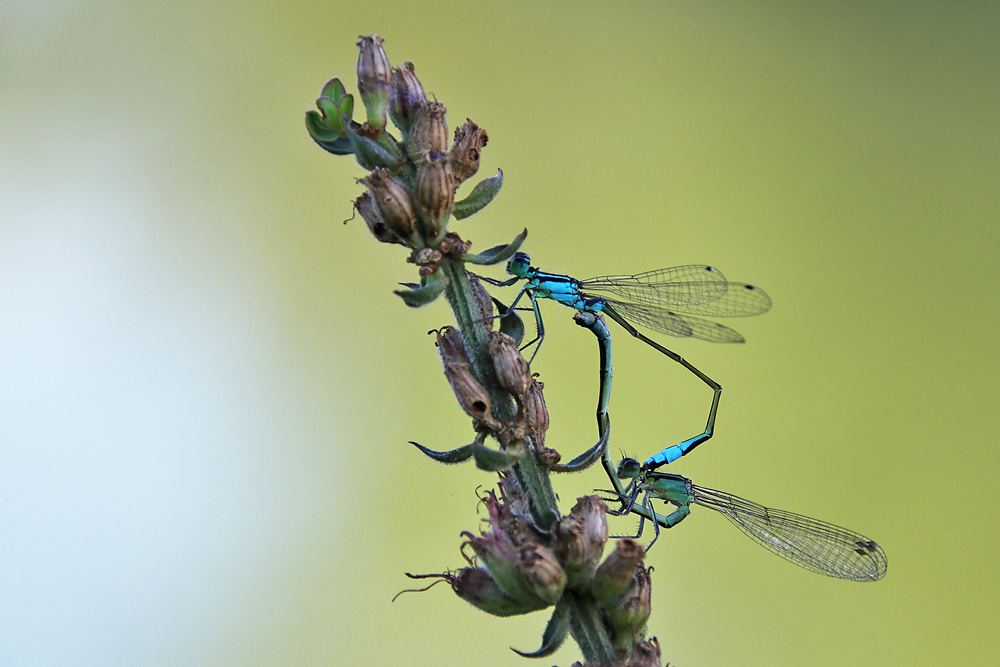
675, 286
666, 321
695, 289
810, 543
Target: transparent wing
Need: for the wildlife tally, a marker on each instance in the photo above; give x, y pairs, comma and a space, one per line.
666, 321
815, 545
696, 289
692, 284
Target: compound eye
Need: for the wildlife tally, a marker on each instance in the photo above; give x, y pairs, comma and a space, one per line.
518, 264
628, 468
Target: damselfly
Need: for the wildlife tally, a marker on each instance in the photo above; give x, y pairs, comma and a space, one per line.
595, 323
665, 300
815, 545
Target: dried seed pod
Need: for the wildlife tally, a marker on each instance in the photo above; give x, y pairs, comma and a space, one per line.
393, 203
542, 573
477, 587
484, 303
593, 513
548, 456
512, 369
464, 154
457, 369
579, 538
536, 415
429, 131
407, 96
646, 654
434, 195
365, 206
452, 244
374, 78
614, 576
628, 617
427, 257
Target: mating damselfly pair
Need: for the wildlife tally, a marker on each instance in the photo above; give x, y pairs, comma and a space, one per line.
673, 301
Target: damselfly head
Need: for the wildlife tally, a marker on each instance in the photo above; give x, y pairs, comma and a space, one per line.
519, 265
628, 468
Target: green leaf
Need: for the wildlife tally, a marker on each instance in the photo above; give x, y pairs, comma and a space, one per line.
510, 322
553, 637
492, 460
496, 254
421, 295
372, 153
327, 127
481, 195
457, 455
327, 139
334, 89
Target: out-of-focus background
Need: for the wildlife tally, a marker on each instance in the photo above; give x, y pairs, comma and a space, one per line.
207, 386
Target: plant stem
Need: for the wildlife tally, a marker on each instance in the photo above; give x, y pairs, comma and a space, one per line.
532, 478
588, 629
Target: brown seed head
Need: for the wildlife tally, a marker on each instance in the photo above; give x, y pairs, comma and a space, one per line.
429, 131
434, 194
457, 369
374, 79
407, 96
464, 154
365, 205
542, 573
629, 615
484, 304
393, 203
536, 415
374, 71
512, 369
614, 576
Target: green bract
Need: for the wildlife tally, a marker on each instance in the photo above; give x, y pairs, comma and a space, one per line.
496, 254
421, 295
326, 127
481, 195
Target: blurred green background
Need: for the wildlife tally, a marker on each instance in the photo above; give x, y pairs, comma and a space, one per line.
207, 386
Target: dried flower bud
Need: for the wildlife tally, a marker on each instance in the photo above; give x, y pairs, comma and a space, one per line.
547, 456
366, 207
374, 79
452, 244
573, 550
646, 654
457, 369
628, 617
579, 540
434, 194
464, 155
536, 415
515, 506
542, 573
614, 576
484, 304
499, 556
407, 96
512, 369
393, 203
429, 131
594, 515
427, 257
476, 586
